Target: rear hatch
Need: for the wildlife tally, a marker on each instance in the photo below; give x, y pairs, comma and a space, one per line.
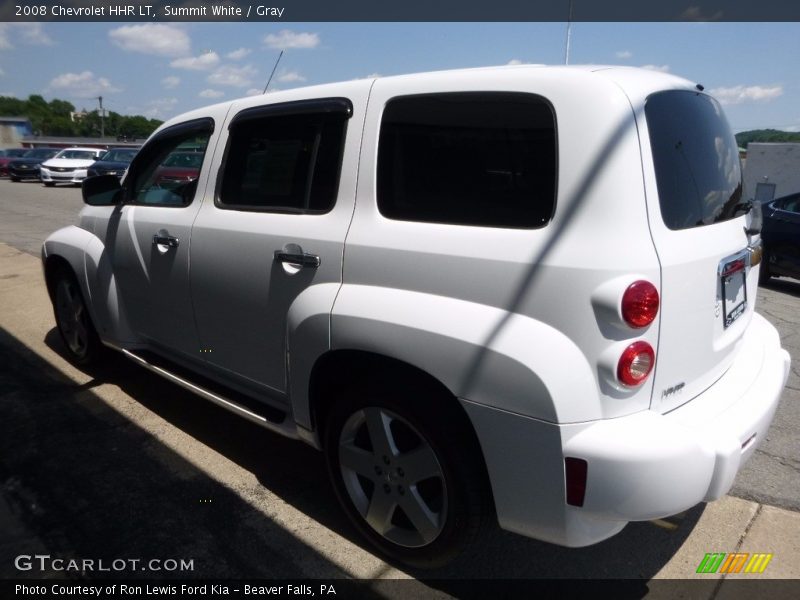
697, 220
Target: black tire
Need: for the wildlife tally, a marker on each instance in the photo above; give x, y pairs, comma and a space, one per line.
74, 324
420, 494
15, 179
48, 183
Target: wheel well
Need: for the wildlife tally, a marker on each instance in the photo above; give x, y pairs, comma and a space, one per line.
336, 372
53, 264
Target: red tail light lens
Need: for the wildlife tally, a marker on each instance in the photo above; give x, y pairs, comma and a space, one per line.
636, 363
640, 304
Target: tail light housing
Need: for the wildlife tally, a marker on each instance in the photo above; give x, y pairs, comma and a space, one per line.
640, 304
636, 363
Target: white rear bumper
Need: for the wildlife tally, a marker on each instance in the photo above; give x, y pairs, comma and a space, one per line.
640, 467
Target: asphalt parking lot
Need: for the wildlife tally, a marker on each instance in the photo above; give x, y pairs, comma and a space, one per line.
120, 463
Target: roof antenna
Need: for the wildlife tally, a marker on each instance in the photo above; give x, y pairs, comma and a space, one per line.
273, 72
569, 34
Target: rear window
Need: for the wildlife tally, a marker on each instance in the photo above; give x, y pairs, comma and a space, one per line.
696, 159
486, 159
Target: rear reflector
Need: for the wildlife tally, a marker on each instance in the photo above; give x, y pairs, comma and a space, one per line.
575, 470
636, 363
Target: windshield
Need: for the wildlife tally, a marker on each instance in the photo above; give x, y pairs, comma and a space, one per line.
40, 153
696, 159
119, 155
189, 160
16, 152
79, 154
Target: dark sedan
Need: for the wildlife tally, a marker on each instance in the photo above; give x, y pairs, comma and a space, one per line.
27, 167
8, 156
781, 237
113, 162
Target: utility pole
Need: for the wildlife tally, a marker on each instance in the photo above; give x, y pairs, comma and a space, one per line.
102, 118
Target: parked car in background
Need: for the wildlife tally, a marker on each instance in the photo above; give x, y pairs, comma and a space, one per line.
780, 235
69, 166
178, 169
27, 167
113, 162
8, 155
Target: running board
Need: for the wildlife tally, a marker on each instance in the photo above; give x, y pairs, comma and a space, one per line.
266, 416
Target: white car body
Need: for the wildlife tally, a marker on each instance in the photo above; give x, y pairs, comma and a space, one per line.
520, 326
64, 169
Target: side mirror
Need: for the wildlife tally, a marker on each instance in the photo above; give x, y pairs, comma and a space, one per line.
102, 190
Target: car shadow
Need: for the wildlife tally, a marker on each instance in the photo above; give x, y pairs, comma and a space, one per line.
296, 473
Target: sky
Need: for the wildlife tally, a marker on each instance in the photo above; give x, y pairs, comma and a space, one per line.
163, 69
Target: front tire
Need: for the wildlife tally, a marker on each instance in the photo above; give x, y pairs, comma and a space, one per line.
48, 183
74, 324
408, 473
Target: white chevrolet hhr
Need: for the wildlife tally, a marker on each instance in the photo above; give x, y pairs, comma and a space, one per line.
521, 293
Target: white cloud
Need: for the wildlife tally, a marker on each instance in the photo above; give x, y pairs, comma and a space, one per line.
694, 13
209, 93
740, 94
233, 76
290, 77
152, 38
82, 85
515, 61
287, 38
5, 43
253, 92
30, 33
659, 68
624, 54
34, 34
160, 108
204, 62
171, 82
238, 54
2, 73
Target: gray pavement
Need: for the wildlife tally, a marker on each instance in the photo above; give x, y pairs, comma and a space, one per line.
119, 463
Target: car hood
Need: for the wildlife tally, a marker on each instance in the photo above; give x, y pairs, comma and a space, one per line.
75, 163
27, 161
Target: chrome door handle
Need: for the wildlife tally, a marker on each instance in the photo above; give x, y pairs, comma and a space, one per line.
303, 259
162, 238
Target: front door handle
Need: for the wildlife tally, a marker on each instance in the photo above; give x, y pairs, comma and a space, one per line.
296, 256
162, 238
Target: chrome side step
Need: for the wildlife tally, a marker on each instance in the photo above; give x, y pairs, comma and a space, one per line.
284, 427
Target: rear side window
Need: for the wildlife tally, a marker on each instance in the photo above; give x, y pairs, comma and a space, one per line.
486, 159
284, 163
696, 159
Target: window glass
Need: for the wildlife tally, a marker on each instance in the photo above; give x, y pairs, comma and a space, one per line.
696, 159
284, 163
485, 159
166, 170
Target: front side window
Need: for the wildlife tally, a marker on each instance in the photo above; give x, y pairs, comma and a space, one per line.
165, 171
485, 159
696, 159
284, 163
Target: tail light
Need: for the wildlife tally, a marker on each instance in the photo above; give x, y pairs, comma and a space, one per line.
640, 304
636, 363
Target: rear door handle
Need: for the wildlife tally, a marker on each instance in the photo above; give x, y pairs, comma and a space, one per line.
162, 238
302, 259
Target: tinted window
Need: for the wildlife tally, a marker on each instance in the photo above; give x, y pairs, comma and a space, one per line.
284, 163
696, 159
154, 180
469, 159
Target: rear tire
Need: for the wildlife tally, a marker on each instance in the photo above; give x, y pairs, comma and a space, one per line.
408, 472
73, 321
48, 183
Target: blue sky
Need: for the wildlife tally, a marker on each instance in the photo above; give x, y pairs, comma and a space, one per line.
161, 70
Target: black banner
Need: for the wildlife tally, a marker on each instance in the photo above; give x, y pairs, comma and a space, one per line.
398, 10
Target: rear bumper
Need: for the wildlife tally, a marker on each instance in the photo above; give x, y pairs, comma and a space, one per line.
640, 467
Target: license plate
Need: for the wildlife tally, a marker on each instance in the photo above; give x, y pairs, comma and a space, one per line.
734, 291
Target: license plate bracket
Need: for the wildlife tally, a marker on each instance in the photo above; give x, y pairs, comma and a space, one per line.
733, 285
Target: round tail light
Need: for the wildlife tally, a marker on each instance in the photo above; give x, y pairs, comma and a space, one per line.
640, 304
636, 363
